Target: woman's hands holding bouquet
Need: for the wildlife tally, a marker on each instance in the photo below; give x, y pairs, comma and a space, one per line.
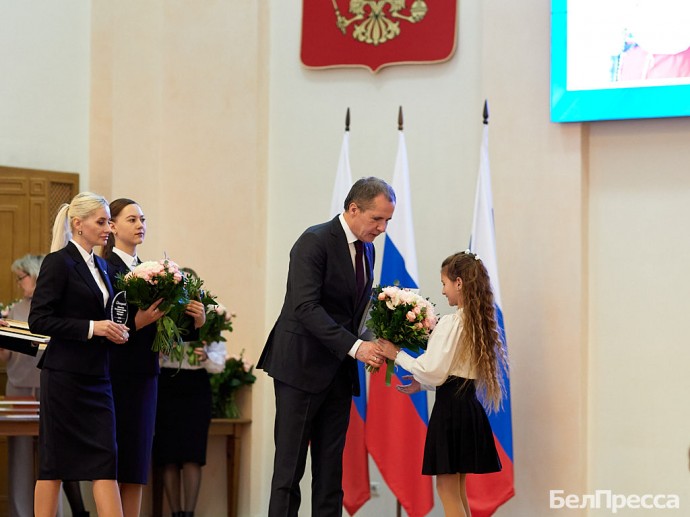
196, 310
200, 353
148, 316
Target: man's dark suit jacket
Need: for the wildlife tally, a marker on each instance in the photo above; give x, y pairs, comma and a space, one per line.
321, 313
65, 300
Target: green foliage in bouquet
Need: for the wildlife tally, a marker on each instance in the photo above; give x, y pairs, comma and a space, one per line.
150, 281
218, 320
403, 318
224, 386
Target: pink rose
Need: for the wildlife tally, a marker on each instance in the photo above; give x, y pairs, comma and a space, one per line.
411, 316
382, 296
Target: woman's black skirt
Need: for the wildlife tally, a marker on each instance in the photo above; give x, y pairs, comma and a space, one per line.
183, 417
459, 438
135, 410
76, 427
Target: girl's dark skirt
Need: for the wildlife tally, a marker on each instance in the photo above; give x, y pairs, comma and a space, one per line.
183, 417
135, 411
76, 428
459, 438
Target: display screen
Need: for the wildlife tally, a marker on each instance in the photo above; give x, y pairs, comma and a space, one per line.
619, 59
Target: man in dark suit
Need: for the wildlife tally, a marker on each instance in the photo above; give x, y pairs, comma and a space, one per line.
312, 350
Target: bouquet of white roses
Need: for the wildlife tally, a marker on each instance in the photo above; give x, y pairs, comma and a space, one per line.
402, 317
150, 281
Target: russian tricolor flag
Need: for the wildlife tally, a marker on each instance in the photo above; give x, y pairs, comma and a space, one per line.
355, 460
486, 492
396, 425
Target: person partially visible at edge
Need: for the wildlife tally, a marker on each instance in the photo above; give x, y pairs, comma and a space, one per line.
23, 380
465, 356
313, 349
77, 424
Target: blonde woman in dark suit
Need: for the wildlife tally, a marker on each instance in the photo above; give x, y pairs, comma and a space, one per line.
77, 424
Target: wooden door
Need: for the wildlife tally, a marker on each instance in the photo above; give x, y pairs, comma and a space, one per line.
29, 201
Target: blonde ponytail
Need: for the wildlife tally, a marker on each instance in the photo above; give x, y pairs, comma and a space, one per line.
62, 232
81, 206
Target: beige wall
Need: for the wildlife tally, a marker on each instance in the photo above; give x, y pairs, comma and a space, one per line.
202, 112
44, 85
178, 123
639, 282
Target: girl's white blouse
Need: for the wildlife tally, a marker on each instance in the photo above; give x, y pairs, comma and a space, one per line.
432, 368
214, 364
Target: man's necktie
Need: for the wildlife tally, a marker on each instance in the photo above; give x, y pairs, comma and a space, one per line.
359, 268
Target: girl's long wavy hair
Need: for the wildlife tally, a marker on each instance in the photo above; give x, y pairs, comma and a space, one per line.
481, 344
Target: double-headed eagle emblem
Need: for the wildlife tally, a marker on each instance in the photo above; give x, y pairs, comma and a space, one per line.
380, 19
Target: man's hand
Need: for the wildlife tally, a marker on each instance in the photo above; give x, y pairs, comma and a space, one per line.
369, 352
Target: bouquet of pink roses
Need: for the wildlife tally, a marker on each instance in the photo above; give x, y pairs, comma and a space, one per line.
402, 317
150, 281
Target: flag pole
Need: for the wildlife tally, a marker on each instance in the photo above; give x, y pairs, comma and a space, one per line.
347, 120
486, 112
398, 506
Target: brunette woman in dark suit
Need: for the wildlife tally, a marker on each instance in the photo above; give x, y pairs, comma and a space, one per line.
134, 368
77, 424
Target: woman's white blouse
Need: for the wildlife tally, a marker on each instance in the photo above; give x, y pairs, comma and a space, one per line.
214, 364
432, 368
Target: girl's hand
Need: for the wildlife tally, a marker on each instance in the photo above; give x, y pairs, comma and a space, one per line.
411, 388
115, 332
3, 323
201, 354
197, 311
388, 349
150, 315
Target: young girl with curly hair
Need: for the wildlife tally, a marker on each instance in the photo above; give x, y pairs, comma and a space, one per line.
465, 357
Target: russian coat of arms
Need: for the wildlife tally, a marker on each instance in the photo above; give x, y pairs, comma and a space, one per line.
377, 33
378, 21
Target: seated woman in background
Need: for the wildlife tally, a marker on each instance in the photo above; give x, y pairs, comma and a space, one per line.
23, 380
